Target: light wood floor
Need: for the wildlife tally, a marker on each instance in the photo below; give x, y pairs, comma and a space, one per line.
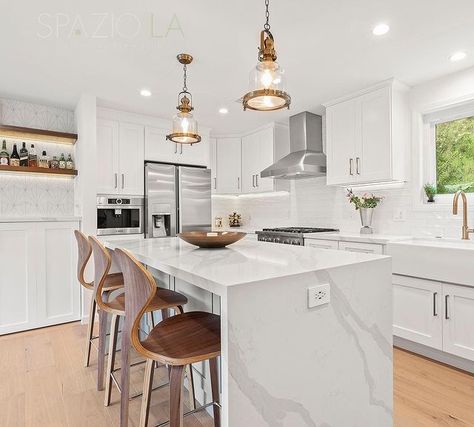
43, 383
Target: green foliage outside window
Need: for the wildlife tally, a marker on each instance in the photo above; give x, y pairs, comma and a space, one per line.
455, 156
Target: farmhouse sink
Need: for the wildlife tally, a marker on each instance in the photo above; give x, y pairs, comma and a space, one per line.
445, 260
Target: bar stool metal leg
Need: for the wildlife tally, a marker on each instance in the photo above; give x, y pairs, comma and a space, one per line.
114, 326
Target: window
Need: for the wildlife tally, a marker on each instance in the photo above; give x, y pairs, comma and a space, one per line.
454, 145
454, 141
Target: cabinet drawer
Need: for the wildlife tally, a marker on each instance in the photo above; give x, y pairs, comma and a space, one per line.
321, 244
368, 248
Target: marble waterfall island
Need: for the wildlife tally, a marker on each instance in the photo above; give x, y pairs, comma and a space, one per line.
283, 363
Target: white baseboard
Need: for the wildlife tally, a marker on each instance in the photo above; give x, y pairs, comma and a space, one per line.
432, 353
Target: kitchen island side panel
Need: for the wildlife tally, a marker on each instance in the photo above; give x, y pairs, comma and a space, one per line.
290, 365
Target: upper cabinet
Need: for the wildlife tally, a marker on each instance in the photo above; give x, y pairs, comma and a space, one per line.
239, 161
367, 135
228, 166
159, 149
119, 158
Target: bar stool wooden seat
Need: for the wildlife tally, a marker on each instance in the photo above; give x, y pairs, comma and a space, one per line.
176, 341
163, 299
113, 282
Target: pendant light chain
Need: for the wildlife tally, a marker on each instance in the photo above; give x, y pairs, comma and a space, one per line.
185, 78
267, 16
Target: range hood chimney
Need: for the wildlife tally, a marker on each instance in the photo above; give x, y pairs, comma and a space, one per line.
306, 158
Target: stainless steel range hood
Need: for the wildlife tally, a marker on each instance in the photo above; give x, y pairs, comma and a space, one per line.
306, 158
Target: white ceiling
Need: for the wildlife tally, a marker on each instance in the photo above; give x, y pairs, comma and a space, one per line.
326, 47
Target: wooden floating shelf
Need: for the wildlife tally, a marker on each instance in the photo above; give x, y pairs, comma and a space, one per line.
37, 170
37, 134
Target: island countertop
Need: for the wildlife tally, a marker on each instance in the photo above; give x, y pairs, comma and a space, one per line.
244, 262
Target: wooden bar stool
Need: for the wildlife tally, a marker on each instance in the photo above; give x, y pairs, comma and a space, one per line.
163, 299
176, 341
113, 282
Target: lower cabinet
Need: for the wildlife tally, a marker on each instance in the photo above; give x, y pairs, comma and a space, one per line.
322, 244
38, 285
368, 248
434, 314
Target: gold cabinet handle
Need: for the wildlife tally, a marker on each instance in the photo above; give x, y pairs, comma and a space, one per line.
350, 166
358, 165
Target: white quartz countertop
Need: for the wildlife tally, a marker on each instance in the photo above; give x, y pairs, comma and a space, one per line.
244, 262
356, 237
40, 219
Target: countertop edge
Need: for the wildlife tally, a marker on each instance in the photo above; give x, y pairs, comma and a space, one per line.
40, 219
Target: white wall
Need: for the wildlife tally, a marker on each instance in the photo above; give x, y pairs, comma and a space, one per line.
312, 203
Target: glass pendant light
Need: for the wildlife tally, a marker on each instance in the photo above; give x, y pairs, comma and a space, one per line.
267, 85
185, 127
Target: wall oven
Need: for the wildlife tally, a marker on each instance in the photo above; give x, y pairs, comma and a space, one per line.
119, 215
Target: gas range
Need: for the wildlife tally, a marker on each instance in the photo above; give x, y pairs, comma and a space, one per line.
289, 235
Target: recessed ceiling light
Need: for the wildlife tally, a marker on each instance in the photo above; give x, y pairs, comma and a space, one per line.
380, 30
223, 110
457, 56
145, 92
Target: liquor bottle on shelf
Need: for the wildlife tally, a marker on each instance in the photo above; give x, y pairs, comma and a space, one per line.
32, 157
24, 155
14, 158
62, 162
44, 161
4, 156
69, 162
54, 164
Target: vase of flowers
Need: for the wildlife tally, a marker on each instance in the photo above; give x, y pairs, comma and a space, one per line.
365, 204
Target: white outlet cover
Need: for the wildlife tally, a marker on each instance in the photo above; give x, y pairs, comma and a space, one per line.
319, 295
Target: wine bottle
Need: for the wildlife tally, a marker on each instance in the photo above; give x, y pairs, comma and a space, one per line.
44, 161
4, 156
24, 155
69, 163
32, 157
14, 158
62, 162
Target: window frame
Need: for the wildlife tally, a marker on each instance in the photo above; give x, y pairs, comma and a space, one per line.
430, 120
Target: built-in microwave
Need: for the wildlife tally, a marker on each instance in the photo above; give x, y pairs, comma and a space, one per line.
119, 215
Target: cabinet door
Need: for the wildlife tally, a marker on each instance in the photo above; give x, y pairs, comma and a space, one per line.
18, 279
367, 248
458, 321
58, 291
107, 156
321, 244
213, 163
341, 135
417, 310
157, 148
196, 154
374, 151
250, 153
131, 159
228, 165
264, 159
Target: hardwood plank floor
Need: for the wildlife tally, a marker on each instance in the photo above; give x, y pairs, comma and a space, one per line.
44, 383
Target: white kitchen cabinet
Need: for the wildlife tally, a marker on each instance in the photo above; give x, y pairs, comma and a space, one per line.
367, 248
159, 149
131, 159
257, 154
120, 157
229, 161
322, 244
107, 156
458, 321
38, 264
213, 163
418, 310
367, 135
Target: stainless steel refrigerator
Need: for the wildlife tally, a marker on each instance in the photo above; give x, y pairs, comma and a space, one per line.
177, 199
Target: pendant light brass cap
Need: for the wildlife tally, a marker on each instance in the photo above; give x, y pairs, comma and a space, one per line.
184, 58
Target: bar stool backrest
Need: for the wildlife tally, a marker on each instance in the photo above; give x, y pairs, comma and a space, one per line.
102, 263
140, 288
84, 251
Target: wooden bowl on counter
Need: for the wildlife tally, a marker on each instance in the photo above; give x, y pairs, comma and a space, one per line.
214, 239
